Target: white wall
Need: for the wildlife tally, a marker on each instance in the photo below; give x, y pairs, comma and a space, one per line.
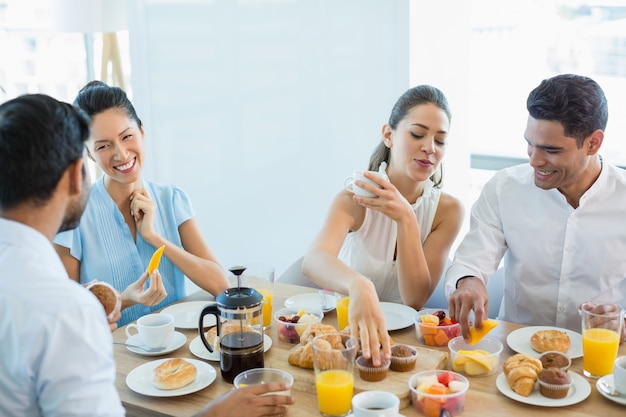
440, 54
260, 109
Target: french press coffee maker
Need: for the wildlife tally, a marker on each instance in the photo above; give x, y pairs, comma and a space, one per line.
239, 315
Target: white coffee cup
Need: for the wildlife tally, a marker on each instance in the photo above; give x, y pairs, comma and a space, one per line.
619, 374
155, 330
358, 175
375, 404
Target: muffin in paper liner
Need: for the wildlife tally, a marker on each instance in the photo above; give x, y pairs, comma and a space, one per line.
554, 383
403, 358
371, 373
555, 359
108, 296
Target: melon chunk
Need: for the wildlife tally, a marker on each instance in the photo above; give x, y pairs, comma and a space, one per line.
476, 335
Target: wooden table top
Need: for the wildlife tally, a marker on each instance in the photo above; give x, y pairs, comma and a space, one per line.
483, 397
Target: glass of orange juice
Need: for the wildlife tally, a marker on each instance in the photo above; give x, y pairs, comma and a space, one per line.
333, 360
261, 277
342, 312
601, 329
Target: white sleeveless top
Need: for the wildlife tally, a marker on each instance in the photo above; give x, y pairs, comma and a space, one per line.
370, 250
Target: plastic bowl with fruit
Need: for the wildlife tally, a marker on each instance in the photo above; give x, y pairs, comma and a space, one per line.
291, 323
433, 391
480, 359
435, 328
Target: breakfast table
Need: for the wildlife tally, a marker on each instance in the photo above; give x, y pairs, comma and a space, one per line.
483, 397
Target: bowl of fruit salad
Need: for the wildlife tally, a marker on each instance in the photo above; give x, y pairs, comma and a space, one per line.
433, 391
435, 328
291, 323
480, 359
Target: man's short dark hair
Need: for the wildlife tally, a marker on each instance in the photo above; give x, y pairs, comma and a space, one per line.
39, 138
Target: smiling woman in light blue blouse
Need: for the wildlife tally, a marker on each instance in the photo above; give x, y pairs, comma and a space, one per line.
128, 217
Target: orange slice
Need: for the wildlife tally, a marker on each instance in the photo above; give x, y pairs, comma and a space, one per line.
156, 259
476, 335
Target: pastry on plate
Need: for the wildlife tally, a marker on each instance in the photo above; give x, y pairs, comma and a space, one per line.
550, 339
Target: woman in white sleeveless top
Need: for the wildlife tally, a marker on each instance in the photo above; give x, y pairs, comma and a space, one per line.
394, 246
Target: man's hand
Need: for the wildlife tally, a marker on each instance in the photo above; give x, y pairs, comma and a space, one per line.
471, 294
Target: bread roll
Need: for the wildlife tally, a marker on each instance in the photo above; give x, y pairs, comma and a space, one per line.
211, 334
545, 340
108, 296
174, 374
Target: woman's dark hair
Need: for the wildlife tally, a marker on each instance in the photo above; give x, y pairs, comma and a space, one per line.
96, 97
421, 94
39, 138
577, 102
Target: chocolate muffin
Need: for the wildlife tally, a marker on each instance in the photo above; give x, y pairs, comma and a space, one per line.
371, 373
403, 358
554, 359
554, 383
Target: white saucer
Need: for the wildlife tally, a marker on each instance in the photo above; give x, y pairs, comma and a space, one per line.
140, 379
312, 300
351, 414
198, 349
519, 341
398, 316
187, 314
608, 379
579, 390
178, 340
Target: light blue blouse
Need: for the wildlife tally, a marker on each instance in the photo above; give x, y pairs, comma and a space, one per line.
107, 252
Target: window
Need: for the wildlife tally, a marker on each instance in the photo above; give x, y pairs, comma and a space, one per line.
45, 60
514, 46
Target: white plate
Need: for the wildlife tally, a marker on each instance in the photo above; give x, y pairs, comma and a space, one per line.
140, 379
312, 301
608, 379
398, 316
519, 341
579, 390
186, 314
178, 340
198, 349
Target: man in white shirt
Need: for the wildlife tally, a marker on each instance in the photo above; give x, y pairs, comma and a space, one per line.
557, 221
56, 352
56, 348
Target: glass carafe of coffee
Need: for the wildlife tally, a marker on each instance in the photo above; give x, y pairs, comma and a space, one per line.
239, 316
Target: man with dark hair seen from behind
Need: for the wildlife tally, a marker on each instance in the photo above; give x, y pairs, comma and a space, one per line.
56, 355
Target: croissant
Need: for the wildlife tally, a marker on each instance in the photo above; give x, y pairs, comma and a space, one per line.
316, 330
521, 359
302, 356
521, 373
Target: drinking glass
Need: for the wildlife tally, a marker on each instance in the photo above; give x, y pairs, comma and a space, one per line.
333, 360
260, 276
601, 334
342, 312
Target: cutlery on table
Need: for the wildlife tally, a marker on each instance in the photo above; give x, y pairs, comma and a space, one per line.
146, 349
608, 390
